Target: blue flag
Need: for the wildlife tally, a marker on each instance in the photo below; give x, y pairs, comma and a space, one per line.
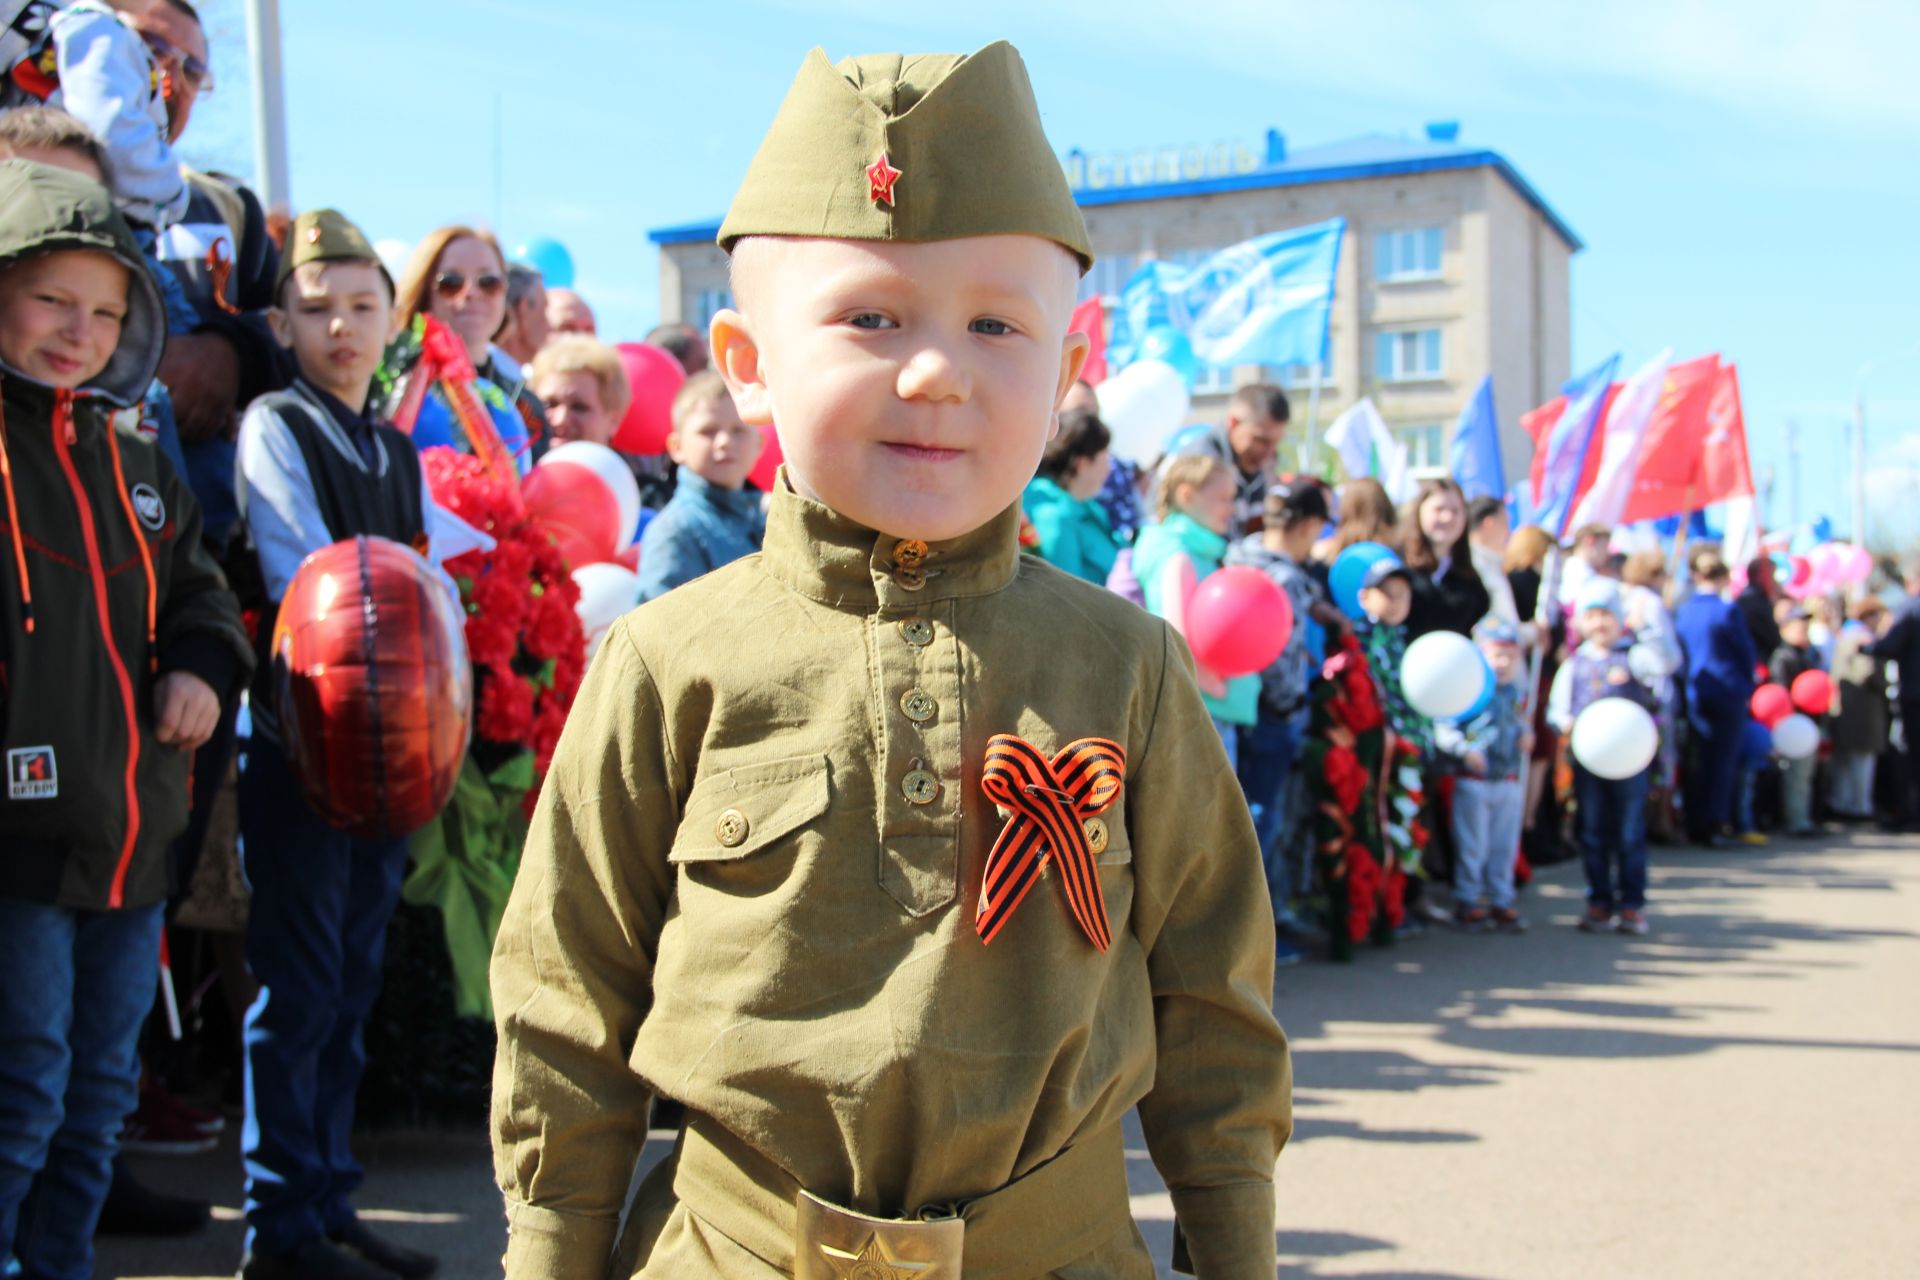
1474, 455
1262, 301
1567, 445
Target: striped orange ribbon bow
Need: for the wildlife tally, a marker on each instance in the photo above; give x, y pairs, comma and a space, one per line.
1049, 800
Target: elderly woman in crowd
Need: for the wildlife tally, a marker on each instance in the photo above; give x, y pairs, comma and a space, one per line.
1861, 728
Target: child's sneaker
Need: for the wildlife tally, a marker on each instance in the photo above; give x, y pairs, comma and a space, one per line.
1634, 922
1754, 838
1596, 920
1285, 953
1507, 920
1473, 919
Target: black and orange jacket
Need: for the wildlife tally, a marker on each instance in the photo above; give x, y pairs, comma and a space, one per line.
104, 589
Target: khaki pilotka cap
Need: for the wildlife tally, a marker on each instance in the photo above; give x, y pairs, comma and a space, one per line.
326, 235
895, 147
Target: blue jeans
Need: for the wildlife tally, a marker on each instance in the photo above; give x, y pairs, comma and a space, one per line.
1613, 838
1266, 753
1711, 782
1230, 739
1487, 818
315, 940
76, 989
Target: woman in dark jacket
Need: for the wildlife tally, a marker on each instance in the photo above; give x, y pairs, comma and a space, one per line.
1447, 592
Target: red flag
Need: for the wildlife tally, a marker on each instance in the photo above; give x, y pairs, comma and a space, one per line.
1669, 460
1725, 470
1090, 318
1539, 424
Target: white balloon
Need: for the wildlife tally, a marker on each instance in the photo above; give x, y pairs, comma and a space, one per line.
1615, 738
393, 256
1796, 737
1142, 405
1442, 675
606, 592
613, 472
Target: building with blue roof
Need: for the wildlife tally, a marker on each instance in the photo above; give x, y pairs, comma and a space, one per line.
1453, 267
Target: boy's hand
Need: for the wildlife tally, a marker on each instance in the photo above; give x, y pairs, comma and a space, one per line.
1617, 677
185, 710
202, 371
1477, 763
1526, 744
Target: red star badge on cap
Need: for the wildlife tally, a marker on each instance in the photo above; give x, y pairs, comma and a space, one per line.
880, 179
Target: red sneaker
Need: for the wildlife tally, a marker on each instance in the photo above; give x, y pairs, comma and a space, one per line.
192, 1117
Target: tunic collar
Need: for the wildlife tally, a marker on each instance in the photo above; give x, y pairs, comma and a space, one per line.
827, 557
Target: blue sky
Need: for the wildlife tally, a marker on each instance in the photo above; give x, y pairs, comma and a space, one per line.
1742, 173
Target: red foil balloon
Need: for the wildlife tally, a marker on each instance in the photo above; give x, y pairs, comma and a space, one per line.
375, 689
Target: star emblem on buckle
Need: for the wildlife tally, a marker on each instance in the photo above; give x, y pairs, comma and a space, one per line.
873, 1262
881, 176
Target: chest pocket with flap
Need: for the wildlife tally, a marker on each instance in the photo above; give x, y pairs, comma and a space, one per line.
736, 813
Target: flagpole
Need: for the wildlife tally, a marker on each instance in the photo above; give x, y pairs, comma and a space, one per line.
1313, 421
1680, 538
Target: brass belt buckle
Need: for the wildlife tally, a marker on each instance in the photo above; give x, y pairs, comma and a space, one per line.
832, 1243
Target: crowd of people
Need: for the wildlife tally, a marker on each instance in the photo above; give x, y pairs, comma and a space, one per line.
200, 393
1499, 793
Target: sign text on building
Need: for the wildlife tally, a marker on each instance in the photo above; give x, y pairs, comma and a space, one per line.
1154, 167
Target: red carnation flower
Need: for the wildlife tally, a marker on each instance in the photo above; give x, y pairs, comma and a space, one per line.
552, 628
506, 707
489, 643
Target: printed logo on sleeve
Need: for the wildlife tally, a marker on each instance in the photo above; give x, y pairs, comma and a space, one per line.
148, 506
31, 774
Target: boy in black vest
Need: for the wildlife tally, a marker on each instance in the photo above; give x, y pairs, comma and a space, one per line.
315, 468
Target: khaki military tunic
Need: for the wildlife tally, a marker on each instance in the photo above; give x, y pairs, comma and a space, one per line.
751, 882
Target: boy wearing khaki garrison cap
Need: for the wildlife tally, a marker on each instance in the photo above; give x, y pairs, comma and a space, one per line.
908, 864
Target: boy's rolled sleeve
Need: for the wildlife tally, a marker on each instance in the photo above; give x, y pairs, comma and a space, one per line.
572, 974
1221, 1105
106, 80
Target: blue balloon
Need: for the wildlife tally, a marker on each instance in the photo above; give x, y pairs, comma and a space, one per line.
1350, 570
1485, 699
1756, 744
1822, 529
1164, 342
1187, 438
550, 258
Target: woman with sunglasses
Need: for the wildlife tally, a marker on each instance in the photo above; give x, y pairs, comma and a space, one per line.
447, 392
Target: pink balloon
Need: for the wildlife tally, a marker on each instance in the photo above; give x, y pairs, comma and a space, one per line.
770, 458
655, 375
1238, 621
1853, 564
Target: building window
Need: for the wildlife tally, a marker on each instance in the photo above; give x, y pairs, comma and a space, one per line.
1299, 377
1426, 446
709, 304
1407, 255
1407, 355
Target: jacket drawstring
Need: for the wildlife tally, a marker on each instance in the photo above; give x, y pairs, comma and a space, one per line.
13, 528
139, 534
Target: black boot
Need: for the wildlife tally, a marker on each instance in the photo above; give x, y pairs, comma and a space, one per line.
408, 1264
136, 1210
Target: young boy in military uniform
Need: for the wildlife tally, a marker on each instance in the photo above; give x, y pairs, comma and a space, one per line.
908, 864
316, 467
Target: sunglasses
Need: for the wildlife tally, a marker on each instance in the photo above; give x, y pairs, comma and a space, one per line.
451, 284
193, 70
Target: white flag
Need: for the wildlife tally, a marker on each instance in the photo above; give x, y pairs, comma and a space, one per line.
1623, 433
1368, 448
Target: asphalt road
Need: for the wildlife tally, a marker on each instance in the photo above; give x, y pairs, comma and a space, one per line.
1734, 1095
